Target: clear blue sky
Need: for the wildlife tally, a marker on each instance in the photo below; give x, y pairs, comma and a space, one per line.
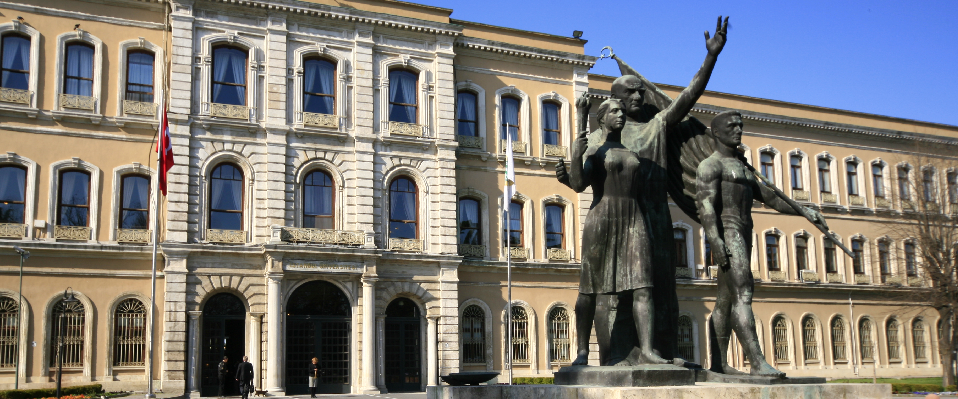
895, 58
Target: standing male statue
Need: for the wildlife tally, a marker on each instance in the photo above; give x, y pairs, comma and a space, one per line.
726, 186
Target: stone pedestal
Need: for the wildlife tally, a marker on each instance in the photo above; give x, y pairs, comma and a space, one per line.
626, 376
702, 390
711, 376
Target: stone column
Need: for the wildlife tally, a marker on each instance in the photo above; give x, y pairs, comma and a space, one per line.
380, 326
433, 361
194, 358
369, 336
256, 347
274, 304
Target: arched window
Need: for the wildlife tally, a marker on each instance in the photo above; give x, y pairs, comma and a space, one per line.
852, 176
403, 209
470, 229
78, 71
867, 344
68, 320
681, 248
551, 133
318, 202
768, 166
918, 339
559, 337
134, 202
509, 125
520, 335
13, 194
9, 332
73, 207
229, 75
831, 262
838, 341
928, 185
139, 76
801, 252
555, 237
884, 258
911, 268
781, 339
15, 62
771, 252
824, 175
904, 189
129, 334
319, 86
473, 326
686, 341
403, 101
226, 198
512, 229
810, 339
894, 347
858, 261
467, 112
796, 167
878, 180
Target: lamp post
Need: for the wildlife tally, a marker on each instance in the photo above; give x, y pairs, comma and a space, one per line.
24, 255
68, 298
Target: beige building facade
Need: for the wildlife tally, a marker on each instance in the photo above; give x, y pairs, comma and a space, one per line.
337, 193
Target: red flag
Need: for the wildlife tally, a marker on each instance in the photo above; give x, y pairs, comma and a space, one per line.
164, 149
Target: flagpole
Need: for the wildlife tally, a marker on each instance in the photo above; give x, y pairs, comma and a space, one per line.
156, 229
507, 203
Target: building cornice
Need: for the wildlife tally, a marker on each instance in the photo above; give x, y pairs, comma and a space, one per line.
525, 51
53, 12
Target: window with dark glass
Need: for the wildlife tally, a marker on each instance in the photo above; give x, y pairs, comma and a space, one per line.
878, 181
469, 230
135, 202
771, 252
509, 125
796, 166
139, 76
78, 76
403, 209
709, 260
681, 255
884, 258
903, 187
928, 185
554, 227
831, 263
910, 260
467, 112
74, 200
12, 194
952, 178
402, 96
226, 198
318, 202
550, 123
768, 166
824, 176
229, 75
319, 86
513, 227
852, 176
801, 253
858, 261
15, 62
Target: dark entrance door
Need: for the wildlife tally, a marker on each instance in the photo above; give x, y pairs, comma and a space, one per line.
224, 333
317, 325
403, 349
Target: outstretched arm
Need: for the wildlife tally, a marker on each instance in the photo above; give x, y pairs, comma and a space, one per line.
766, 195
579, 174
708, 184
683, 104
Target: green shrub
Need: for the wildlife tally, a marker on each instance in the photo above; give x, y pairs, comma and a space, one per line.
526, 381
909, 388
93, 389
951, 388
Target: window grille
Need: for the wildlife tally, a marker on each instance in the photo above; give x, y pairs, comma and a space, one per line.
520, 335
918, 338
559, 335
473, 335
894, 347
9, 332
838, 340
71, 330
686, 344
129, 336
781, 340
867, 344
811, 343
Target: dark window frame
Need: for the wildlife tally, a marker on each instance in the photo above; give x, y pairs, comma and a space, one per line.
22, 36
911, 260
332, 195
858, 261
504, 134
681, 248
825, 175
209, 196
335, 80
26, 174
878, 180
884, 258
797, 178
119, 219
415, 95
904, 183
831, 260
458, 119
244, 85
558, 131
415, 191
773, 266
851, 175
561, 232
801, 252
928, 185
66, 61
152, 85
768, 168
478, 228
507, 228
59, 194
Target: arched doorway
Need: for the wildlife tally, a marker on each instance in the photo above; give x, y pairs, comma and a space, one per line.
317, 325
224, 334
403, 347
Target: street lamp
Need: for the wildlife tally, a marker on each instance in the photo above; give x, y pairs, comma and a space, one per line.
68, 298
24, 255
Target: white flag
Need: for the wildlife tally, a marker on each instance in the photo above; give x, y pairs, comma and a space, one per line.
510, 189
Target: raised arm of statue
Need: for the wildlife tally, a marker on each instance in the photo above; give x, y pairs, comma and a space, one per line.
687, 99
578, 173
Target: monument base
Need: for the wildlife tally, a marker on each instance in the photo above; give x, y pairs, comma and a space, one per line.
711, 376
702, 390
650, 375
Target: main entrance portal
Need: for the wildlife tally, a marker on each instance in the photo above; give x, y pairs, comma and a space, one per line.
317, 325
403, 363
224, 332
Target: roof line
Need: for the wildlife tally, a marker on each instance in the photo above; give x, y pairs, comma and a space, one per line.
572, 39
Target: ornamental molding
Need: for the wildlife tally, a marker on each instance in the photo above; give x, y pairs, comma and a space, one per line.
525, 51
226, 236
323, 236
138, 236
15, 96
12, 230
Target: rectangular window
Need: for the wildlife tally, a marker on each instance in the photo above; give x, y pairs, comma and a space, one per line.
139, 76
402, 96
681, 249
135, 202
229, 76
12, 194
824, 176
858, 261
903, 187
884, 259
796, 166
831, 263
78, 76
852, 177
550, 124
910, 260
319, 86
512, 229
709, 260
771, 252
469, 222
952, 187
554, 227
768, 166
928, 185
466, 114
15, 62
801, 253
509, 125
74, 199
878, 181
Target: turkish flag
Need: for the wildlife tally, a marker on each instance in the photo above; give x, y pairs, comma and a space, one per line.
164, 149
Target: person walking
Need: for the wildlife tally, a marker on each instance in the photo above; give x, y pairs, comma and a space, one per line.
314, 372
244, 377
223, 372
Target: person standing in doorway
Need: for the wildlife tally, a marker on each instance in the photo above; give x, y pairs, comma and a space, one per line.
223, 372
244, 377
314, 372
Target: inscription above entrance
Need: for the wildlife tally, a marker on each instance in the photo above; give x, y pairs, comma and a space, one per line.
301, 266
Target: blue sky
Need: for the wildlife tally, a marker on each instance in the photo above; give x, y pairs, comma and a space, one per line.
895, 58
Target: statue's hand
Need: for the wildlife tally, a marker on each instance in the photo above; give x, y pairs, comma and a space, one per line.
561, 173
815, 216
583, 104
722, 256
715, 44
